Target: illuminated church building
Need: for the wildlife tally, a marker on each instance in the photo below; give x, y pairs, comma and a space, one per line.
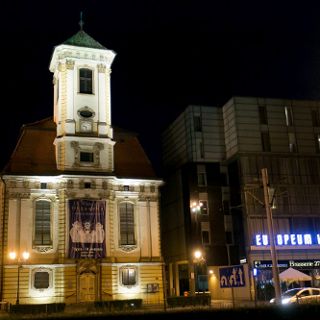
79, 196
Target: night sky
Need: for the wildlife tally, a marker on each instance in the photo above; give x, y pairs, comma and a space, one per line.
170, 54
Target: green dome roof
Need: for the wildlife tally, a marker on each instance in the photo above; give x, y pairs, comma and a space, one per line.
82, 39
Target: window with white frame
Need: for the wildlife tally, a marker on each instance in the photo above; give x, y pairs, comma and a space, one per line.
128, 276
42, 223
85, 80
42, 279
126, 217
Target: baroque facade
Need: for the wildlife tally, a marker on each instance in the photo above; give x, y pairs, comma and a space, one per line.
80, 211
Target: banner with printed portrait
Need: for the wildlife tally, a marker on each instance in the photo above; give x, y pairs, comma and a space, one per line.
87, 229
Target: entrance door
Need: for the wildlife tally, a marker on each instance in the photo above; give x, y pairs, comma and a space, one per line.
87, 287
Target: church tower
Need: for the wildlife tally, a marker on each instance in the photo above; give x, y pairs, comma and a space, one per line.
81, 69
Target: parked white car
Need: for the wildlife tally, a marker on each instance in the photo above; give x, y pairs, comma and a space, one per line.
300, 296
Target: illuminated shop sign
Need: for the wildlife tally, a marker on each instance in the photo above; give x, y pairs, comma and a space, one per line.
297, 264
289, 239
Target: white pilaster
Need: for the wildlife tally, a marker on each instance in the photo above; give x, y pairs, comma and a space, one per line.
69, 122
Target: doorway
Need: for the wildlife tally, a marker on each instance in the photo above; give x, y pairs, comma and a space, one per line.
87, 287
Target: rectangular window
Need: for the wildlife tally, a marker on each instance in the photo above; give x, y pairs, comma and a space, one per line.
263, 115
197, 124
202, 177
42, 234
289, 116
87, 185
201, 149
85, 76
86, 156
127, 236
41, 280
315, 118
203, 206
205, 232
205, 237
128, 276
43, 185
265, 141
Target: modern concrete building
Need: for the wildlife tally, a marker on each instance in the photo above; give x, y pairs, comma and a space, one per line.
213, 198
79, 198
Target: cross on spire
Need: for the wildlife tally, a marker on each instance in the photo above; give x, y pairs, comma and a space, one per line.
81, 23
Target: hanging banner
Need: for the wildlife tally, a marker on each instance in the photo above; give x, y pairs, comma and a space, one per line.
87, 229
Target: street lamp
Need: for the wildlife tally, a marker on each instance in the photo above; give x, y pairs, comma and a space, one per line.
275, 270
268, 203
13, 256
197, 258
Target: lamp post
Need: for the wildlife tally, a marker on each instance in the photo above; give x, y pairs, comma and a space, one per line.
268, 203
13, 256
197, 258
275, 270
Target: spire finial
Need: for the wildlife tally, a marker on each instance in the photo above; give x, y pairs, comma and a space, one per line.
81, 23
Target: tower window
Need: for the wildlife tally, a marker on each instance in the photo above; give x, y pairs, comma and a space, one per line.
86, 157
85, 76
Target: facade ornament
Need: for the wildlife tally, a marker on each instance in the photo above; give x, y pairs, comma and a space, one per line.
43, 249
128, 248
101, 68
70, 64
19, 195
61, 67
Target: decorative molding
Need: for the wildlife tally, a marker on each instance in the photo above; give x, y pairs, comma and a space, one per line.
70, 64
19, 195
43, 249
61, 67
128, 248
144, 197
101, 68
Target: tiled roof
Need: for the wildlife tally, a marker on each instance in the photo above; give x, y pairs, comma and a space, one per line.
35, 154
82, 39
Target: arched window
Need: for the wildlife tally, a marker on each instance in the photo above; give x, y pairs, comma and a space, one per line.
42, 234
127, 236
85, 76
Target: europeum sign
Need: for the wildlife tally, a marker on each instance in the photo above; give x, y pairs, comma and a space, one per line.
289, 239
